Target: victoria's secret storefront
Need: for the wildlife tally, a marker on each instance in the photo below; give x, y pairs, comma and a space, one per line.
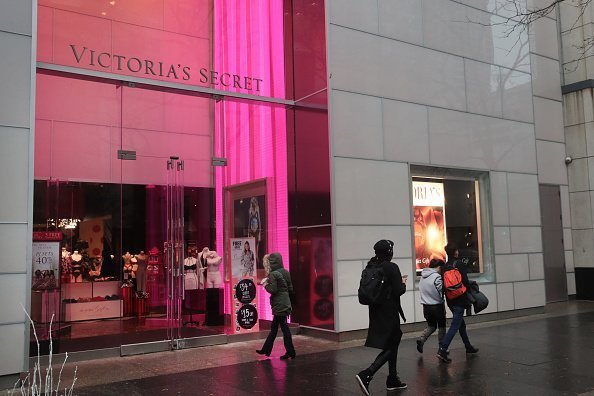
177, 142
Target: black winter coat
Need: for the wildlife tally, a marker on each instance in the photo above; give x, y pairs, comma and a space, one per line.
384, 320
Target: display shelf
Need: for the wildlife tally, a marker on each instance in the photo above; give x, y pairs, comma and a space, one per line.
92, 309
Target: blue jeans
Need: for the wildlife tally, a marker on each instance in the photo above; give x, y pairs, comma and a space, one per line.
457, 325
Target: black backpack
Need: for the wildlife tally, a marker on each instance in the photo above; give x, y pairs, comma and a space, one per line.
374, 287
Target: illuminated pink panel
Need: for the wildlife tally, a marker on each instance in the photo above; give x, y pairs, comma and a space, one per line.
172, 57
189, 17
80, 152
188, 114
140, 12
143, 109
164, 144
45, 33
74, 100
81, 31
249, 42
43, 149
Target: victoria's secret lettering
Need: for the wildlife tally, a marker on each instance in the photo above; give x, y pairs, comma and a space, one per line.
173, 71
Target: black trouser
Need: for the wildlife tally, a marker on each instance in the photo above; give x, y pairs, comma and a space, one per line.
388, 355
287, 338
436, 318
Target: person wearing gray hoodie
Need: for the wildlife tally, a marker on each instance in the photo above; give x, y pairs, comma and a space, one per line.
431, 289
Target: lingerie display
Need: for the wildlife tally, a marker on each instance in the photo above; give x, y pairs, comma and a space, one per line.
213, 275
191, 278
77, 266
66, 265
127, 270
141, 273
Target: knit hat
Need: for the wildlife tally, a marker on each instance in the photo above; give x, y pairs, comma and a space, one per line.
275, 260
384, 247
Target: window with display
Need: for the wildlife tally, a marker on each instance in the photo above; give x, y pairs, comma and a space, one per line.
450, 206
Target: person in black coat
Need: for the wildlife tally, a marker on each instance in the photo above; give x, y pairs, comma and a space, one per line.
457, 305
384, 322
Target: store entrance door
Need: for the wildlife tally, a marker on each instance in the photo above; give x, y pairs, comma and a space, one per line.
167, 216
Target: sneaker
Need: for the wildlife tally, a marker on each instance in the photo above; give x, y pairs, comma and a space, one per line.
471, 349
442, 354
420, 346
364, 378
393, 383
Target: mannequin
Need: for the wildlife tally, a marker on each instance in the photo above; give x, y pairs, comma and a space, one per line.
213, 275
141, 261
66, 263
76, 265
128, 266
191, 281
202, 267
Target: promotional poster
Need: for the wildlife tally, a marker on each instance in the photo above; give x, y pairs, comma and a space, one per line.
46, 265
249, 222
429, 222
243, 259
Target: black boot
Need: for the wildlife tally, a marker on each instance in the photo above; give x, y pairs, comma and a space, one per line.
364, 378
393, 383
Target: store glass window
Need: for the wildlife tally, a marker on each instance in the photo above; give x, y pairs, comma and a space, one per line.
451, 206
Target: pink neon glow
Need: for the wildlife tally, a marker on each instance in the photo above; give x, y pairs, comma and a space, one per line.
248, 40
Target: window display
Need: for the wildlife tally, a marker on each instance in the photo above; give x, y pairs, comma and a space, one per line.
447, 208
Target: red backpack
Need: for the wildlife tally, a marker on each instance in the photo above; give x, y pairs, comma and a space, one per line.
452, 283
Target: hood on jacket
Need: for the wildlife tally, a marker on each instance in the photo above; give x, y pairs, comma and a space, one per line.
427, 272
275, 260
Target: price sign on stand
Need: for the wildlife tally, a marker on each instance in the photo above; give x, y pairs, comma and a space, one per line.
244, 309
46, 265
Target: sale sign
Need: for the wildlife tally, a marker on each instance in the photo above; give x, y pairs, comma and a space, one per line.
46, 265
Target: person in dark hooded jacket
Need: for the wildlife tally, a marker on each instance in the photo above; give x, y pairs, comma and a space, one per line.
279, 285
384, 322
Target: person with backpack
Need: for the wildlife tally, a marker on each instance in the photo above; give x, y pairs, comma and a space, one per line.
455, 284
381, 287
431, 290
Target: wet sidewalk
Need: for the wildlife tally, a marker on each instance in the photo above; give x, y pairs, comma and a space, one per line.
546, 354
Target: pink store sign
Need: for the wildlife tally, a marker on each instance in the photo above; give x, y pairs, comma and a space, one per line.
171, 41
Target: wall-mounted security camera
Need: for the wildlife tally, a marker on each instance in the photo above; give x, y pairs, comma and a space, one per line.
568, 160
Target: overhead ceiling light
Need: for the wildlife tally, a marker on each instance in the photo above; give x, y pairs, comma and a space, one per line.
112, 2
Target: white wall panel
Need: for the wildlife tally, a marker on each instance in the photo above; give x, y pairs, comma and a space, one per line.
523, 199
351, 314
370, 192
575, 141
536, 263
402, 20
13, 290
499, 198
551, 162
571, 283
543, 38
526, 239
517, 95
583, 255
565, 211
569, 266
406, 132
505, 296
483, 88
356, 242
548, 119
529, 294
13, 245
14, 176
545, 77
12, 348
581, 212
578, 175
394, 70
348, 275
356, 125
487, 143
512, 267
356, 14
16, 16
501, 239
15, 84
